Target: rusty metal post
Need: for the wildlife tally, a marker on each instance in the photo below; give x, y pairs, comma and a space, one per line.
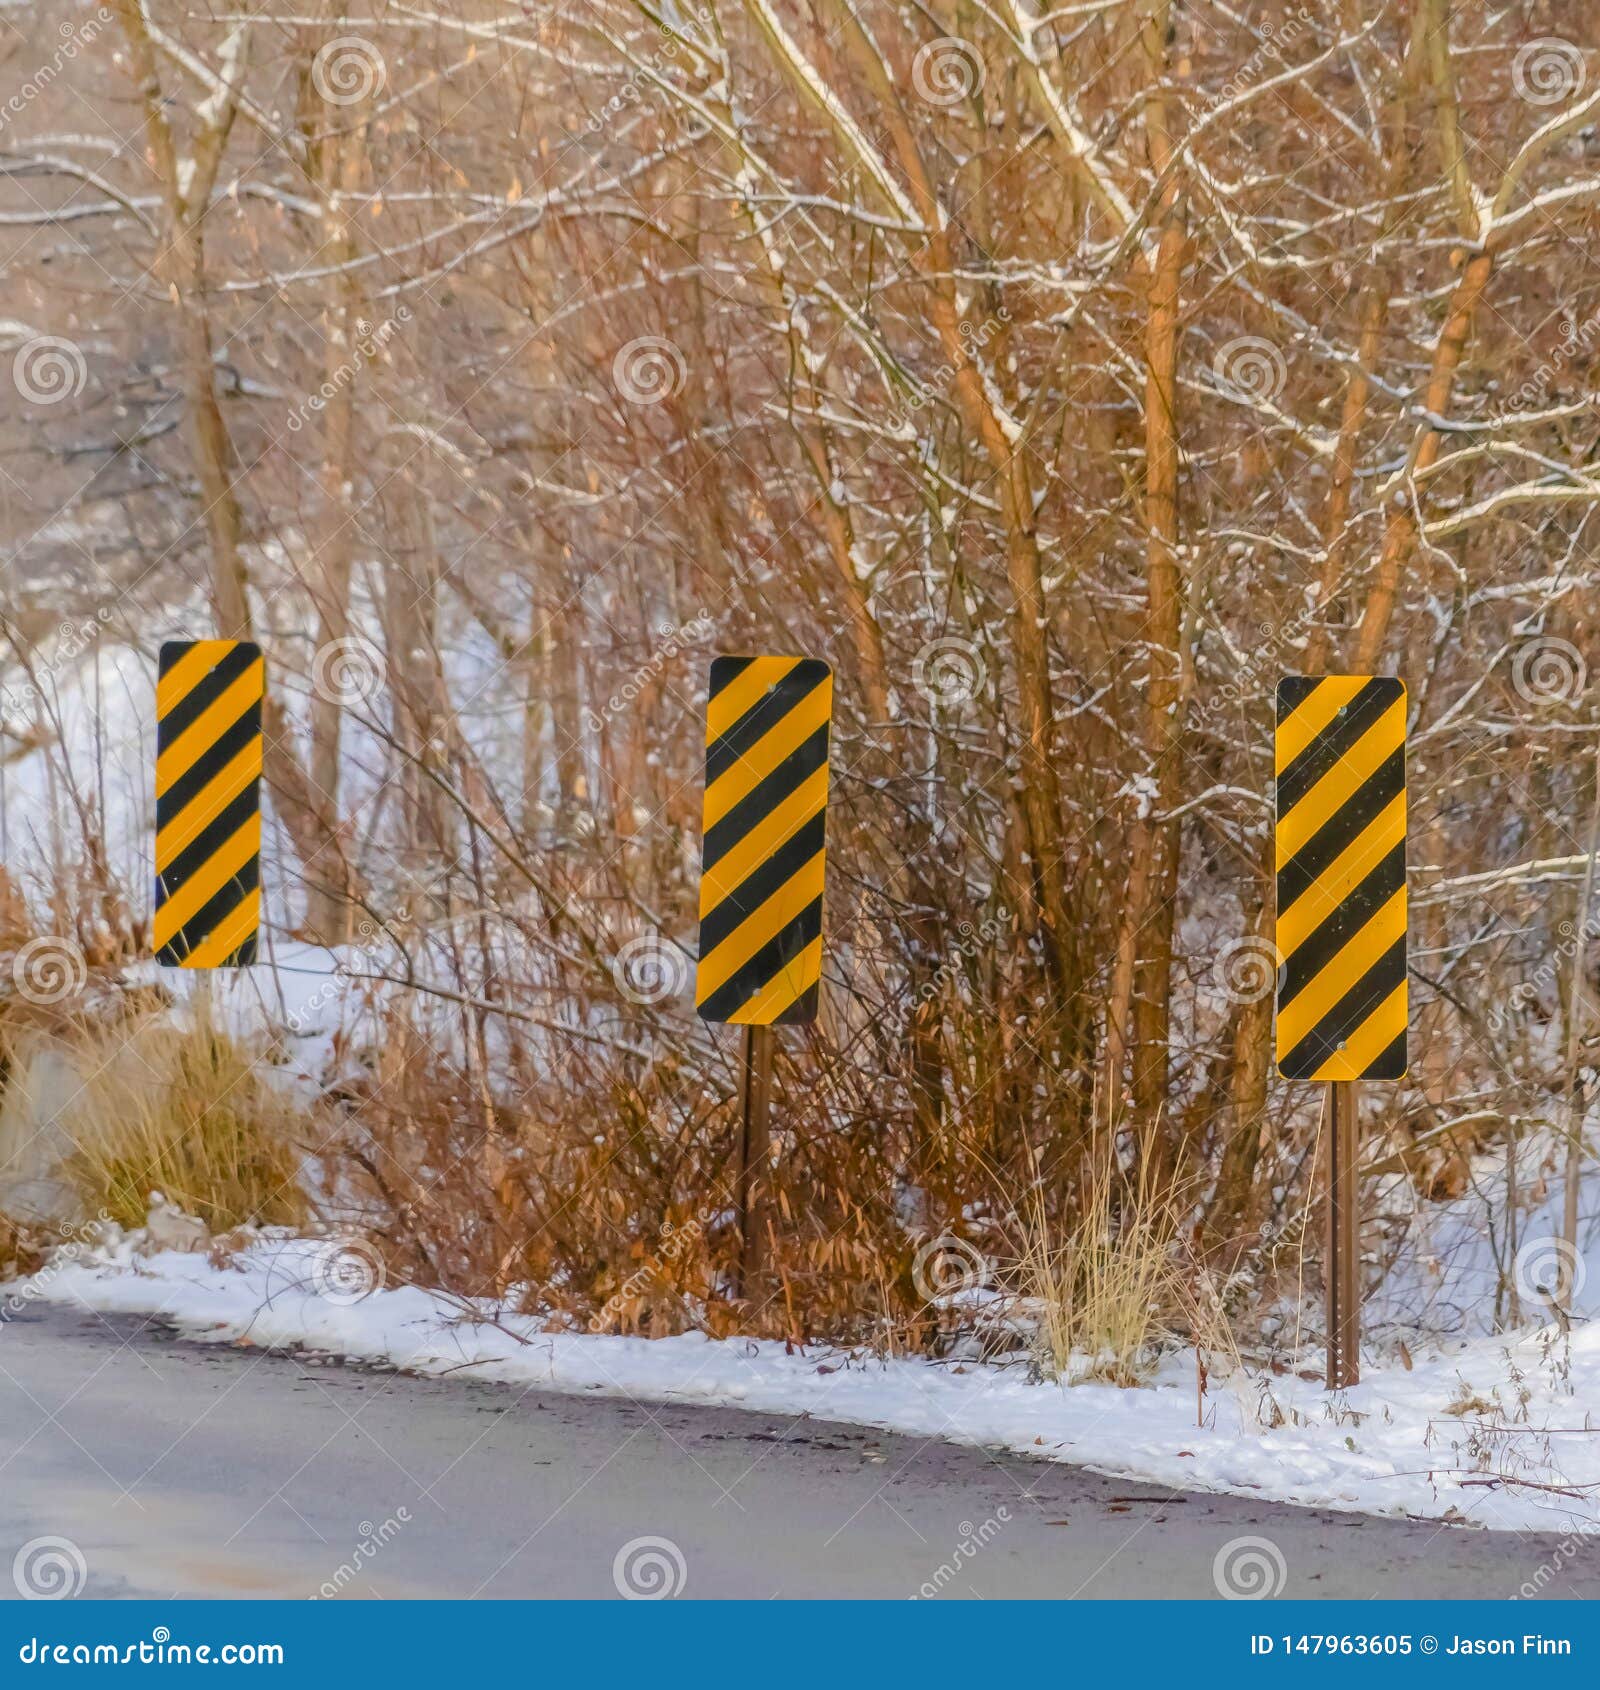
1342, 1259
755, 1154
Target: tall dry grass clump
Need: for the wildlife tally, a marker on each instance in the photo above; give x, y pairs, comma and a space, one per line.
1105, 1285
186, 1110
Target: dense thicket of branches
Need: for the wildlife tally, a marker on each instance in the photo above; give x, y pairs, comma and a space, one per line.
1062, 376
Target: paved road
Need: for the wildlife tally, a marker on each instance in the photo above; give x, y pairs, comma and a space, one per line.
180, 1469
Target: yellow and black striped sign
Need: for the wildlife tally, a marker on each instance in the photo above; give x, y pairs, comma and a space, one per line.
1341, 764
208, 803
762, 859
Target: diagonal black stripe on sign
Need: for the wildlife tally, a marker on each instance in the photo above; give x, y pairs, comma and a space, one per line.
725, 671
206, 691
767, 878
765, 714
1391, 1065
767, 794
1335, 741
1354, 911
1344, 1020
1342, 828
773, 957
1293, 691
194, 856
208, 765
211, 915
804, 1007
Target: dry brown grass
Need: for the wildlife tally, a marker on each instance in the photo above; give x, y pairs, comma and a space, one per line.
1106, 1292
20, 1249
187, 1111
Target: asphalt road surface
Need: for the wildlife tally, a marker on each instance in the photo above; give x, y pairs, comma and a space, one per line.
175, 1469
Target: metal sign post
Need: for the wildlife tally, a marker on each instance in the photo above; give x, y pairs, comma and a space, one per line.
755, 1151
761, 880
1343, 1255
208, 803
1339, 754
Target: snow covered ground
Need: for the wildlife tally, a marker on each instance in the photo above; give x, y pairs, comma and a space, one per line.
1491, 1431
